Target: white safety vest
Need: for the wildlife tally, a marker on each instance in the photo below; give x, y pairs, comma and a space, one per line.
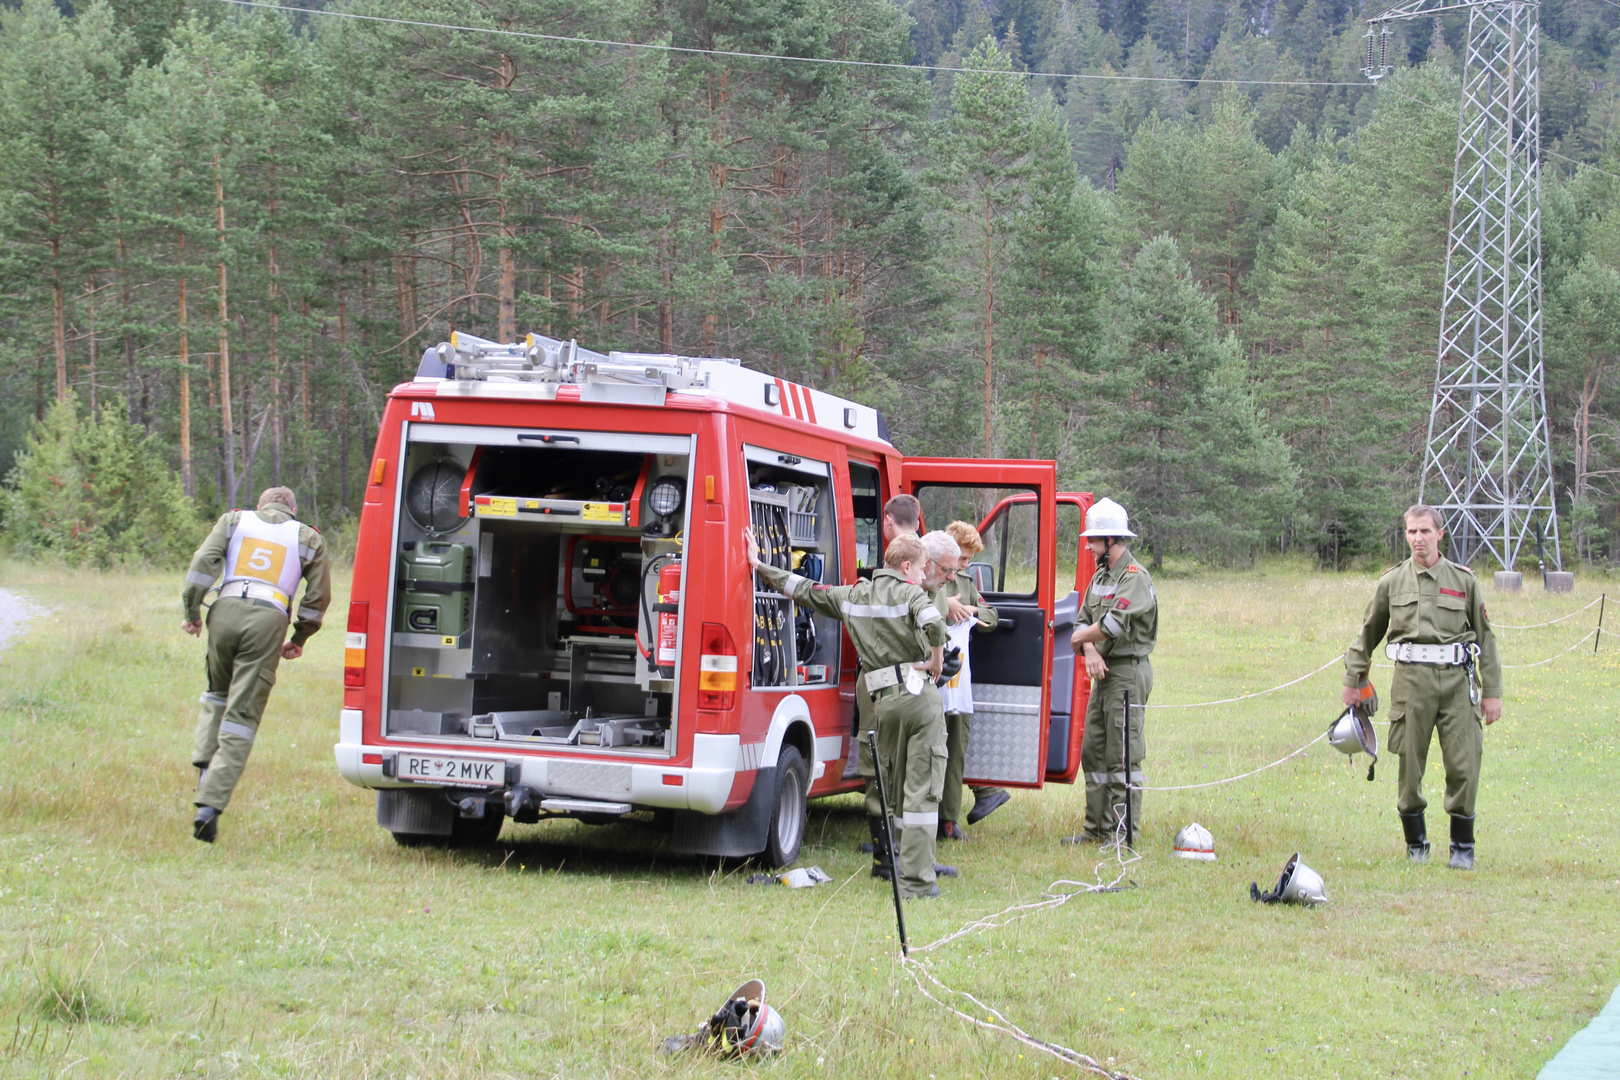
957, 693
262, 561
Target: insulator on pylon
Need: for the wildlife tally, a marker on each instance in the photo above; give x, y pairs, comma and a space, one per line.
1369, 50
1383, 49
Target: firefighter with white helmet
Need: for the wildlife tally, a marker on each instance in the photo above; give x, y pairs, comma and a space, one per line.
263, 555
1115, 632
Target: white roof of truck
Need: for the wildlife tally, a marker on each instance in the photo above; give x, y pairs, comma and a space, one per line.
542, 368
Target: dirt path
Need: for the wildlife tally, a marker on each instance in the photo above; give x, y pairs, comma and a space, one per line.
15, 612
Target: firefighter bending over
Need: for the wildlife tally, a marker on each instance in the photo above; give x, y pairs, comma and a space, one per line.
263, 554
899, 636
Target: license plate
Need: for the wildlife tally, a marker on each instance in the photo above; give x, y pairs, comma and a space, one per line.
456, 771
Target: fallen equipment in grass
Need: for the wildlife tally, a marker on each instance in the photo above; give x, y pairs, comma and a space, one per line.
1299, 884
801, 877
1195, 842
744, 1026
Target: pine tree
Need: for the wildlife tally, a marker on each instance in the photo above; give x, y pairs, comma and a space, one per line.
1186, 450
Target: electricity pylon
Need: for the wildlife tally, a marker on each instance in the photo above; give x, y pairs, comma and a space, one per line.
1488, 460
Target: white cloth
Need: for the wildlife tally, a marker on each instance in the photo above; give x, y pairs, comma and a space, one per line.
957, 693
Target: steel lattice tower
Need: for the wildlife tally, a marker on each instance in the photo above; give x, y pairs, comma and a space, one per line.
1488, 461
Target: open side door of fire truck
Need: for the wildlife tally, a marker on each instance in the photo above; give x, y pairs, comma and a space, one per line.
1071, 690
1011, 666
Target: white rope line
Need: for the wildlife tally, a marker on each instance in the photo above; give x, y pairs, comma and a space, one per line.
1257, 693
992, 1019
1549, 622
1556, 655
1240, 776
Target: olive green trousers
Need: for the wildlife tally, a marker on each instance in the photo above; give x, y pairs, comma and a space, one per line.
1102, 748
911, 748
244, 650
1426, 701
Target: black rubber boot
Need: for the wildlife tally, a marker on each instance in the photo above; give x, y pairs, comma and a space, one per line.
1417, 837
880, 850
985, 801
1462, 843
205, 826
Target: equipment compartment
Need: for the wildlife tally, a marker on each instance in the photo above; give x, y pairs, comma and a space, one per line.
526, 582
791, 509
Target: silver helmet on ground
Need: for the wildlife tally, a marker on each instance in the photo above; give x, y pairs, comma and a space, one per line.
1195, 842
1299, 884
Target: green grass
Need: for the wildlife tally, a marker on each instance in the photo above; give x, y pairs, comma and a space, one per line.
306, 944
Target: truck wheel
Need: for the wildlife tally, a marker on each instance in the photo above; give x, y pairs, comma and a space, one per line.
477, 832
790, 809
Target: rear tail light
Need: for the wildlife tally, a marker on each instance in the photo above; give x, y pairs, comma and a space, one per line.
354, 644
717, 669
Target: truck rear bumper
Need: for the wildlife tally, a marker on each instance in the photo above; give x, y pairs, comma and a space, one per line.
704, 786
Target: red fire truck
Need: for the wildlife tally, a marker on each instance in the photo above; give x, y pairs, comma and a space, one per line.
552, 613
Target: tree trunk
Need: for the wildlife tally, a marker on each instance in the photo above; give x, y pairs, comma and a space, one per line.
989, 325
227, 420
187, 474
95, 351
274, 354
134, 385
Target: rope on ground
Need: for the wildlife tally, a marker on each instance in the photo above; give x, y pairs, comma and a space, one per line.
990, 1018
1240, 776
1257, 693
1549, 622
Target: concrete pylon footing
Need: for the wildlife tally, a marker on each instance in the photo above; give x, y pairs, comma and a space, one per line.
1509, 581
1560, 581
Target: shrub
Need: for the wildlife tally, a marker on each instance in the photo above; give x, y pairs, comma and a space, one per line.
95, 490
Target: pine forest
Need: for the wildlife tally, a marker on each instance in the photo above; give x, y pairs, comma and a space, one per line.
1183, 247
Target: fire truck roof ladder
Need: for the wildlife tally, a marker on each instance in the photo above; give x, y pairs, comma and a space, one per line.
543, 359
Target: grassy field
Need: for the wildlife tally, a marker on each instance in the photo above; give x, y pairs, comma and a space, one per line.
305, 943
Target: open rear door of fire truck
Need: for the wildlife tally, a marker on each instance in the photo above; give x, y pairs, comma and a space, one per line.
1011, 666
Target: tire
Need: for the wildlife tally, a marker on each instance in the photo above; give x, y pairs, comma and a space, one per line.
789, 810
477, 832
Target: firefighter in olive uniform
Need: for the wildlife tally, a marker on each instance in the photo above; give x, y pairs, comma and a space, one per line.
899, 636
1115, 632
1448, 677
965, 612
263, 554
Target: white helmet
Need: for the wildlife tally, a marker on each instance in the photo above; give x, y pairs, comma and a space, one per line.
1107, 518
1195, 842
1299, 884
1353, 733
744, 1025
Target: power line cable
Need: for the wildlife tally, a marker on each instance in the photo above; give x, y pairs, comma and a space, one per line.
740, 55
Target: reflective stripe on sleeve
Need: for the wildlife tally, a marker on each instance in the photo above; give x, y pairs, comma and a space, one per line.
305, 552
1112, 624
930, 614
241, 731
309, 614
197, 577
917, 821
794, 581
877, 611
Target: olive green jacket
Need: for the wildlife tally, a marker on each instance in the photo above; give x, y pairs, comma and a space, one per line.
1438, 605
209, 562
1121, 600
890, 620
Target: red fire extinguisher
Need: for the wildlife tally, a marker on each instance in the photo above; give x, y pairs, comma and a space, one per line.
669, 613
